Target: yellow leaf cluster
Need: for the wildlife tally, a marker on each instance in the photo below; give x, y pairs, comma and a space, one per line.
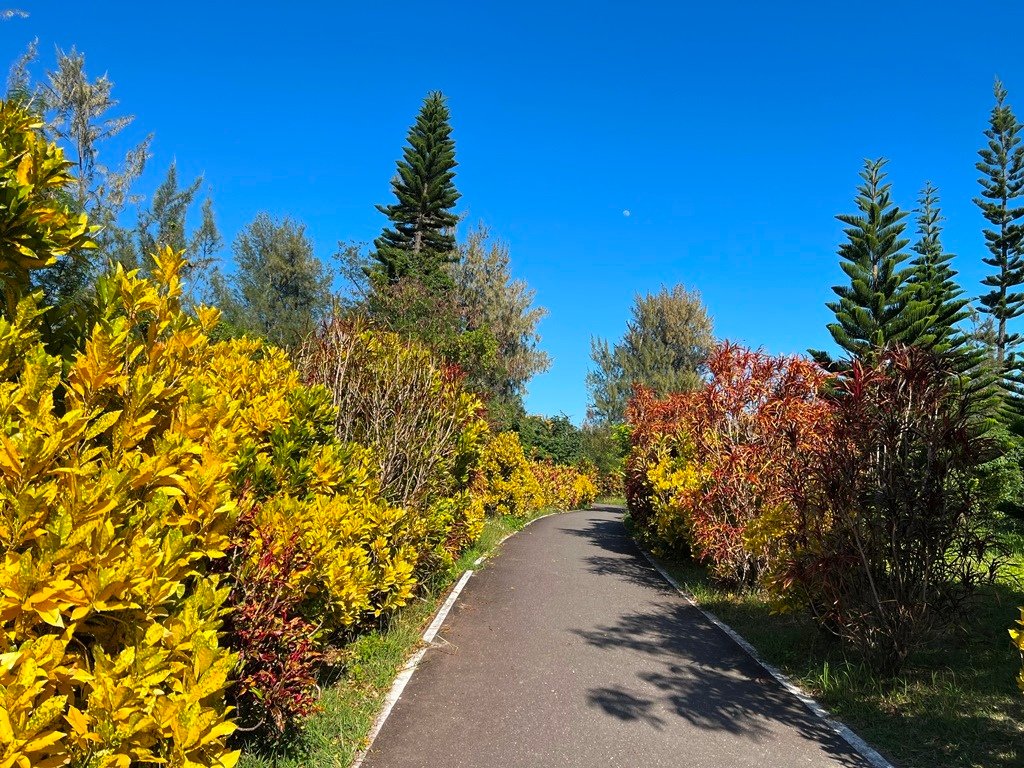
361, 554
115, 491
564, 487
36, 228
674, 477
506, 484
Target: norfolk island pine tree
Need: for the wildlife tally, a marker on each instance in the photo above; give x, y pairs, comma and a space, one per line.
1002, 184
420, 240
880, 305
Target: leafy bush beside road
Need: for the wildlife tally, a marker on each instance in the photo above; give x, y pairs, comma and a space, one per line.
855, 497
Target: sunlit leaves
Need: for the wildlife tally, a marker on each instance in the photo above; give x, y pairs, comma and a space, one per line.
36, 228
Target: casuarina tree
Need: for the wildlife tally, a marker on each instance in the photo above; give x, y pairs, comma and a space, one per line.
420, 240
665, 348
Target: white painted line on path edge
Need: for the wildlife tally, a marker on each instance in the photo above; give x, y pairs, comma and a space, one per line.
858, 744
410, 666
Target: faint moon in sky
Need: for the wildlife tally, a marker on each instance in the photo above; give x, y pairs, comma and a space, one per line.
626, 213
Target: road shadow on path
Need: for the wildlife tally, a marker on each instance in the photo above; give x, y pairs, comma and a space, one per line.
685, 667
617, 555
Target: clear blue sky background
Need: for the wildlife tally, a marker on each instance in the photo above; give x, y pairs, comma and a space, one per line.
732, 132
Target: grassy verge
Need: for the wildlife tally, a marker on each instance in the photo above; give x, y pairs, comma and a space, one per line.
350, 702
955, 704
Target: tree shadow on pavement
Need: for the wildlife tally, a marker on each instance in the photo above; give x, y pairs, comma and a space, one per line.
618, 555
624, 705
688, 668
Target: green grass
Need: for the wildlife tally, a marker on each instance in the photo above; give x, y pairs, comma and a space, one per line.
955, 704
351, 700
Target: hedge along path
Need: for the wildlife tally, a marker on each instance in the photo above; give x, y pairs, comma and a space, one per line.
570, 649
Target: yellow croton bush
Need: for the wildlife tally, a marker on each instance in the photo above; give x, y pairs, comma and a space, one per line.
122, 480
505, 482
115, 490
508, 483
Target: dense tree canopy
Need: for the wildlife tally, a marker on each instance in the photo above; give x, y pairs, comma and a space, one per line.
280, 289
666, 344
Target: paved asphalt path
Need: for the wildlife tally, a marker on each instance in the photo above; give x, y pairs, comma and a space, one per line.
568, 649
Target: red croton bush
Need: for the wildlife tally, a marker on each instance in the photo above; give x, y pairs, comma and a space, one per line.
896, 535
279, 655
856, 496
723, 469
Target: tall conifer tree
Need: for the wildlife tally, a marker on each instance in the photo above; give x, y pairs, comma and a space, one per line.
1002, 185
879, 304
421, 238
935, 279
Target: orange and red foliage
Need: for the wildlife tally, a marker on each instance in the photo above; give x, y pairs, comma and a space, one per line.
724, 469
896, 537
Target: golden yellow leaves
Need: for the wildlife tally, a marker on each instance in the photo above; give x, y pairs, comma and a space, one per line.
108, 508
506, 485
38, 229
361, 553
31, 704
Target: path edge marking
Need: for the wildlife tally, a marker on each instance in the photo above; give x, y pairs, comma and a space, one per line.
861, 747
407, 669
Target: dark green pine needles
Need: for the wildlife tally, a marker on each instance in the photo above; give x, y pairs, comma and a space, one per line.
421, 238
880, 305
935, 279
1002, 183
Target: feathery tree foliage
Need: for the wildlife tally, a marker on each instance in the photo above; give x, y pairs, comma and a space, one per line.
165, 222
934, 277
79, 114
490, 299
1002, 185
280, 290
421, 238
879, 305
667, 341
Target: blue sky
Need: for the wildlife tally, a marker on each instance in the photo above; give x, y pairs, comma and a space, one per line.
733, 133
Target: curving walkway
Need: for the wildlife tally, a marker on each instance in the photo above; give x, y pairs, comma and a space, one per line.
568, 649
